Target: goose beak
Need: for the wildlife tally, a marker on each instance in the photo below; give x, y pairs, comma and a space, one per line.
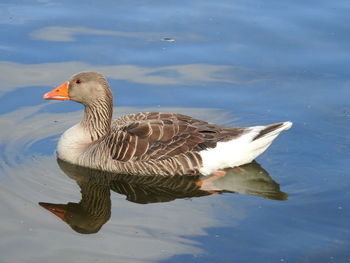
59, 93
57, 209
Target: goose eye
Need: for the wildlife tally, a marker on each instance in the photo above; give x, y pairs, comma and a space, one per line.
78, 81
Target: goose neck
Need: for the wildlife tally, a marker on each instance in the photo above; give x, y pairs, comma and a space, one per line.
97, 119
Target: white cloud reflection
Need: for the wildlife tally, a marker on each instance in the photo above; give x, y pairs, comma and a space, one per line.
15, 75
69, 34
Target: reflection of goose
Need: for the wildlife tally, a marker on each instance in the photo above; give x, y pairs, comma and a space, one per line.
151, 143
94, 209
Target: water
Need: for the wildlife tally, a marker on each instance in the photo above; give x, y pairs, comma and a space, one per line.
231, 62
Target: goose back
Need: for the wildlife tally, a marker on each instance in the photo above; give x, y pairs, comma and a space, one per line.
157, 143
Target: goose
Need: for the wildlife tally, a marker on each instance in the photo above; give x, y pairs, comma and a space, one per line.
151, 143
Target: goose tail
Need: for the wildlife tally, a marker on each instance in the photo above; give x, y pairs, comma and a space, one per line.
241, 150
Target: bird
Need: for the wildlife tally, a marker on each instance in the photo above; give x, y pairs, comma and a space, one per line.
151, 143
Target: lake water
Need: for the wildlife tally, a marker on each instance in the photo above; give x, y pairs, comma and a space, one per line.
238, 63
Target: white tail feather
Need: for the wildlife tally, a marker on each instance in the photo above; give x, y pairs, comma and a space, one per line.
241, 150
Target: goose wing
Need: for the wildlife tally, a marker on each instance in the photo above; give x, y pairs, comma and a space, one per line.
157, 136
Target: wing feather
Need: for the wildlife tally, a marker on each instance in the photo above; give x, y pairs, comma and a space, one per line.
157, 136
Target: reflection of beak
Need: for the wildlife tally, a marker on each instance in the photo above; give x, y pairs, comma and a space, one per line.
57, 209
59, 93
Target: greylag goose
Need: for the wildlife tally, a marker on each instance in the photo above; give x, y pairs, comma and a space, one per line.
151, 142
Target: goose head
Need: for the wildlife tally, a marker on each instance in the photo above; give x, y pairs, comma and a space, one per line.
84, 87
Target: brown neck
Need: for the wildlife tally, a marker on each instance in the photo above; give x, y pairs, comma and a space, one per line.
97, 118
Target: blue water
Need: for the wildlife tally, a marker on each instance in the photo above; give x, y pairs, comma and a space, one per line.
231, 62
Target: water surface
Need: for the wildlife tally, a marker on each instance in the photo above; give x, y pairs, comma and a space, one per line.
231, 62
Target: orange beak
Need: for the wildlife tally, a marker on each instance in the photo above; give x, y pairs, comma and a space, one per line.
57, 209
59, 93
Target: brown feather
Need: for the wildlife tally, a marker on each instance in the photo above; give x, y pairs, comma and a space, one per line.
158, 136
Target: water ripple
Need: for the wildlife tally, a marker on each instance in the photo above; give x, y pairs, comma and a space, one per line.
29, 174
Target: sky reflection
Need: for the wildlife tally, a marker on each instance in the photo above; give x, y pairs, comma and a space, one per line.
15, 75
242, 62
29, 175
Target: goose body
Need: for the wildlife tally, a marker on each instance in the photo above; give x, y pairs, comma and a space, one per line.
151, 142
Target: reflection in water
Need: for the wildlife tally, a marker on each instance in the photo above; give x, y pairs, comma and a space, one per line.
288, 57
94, 209
134, 233
67, 34
15, 75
